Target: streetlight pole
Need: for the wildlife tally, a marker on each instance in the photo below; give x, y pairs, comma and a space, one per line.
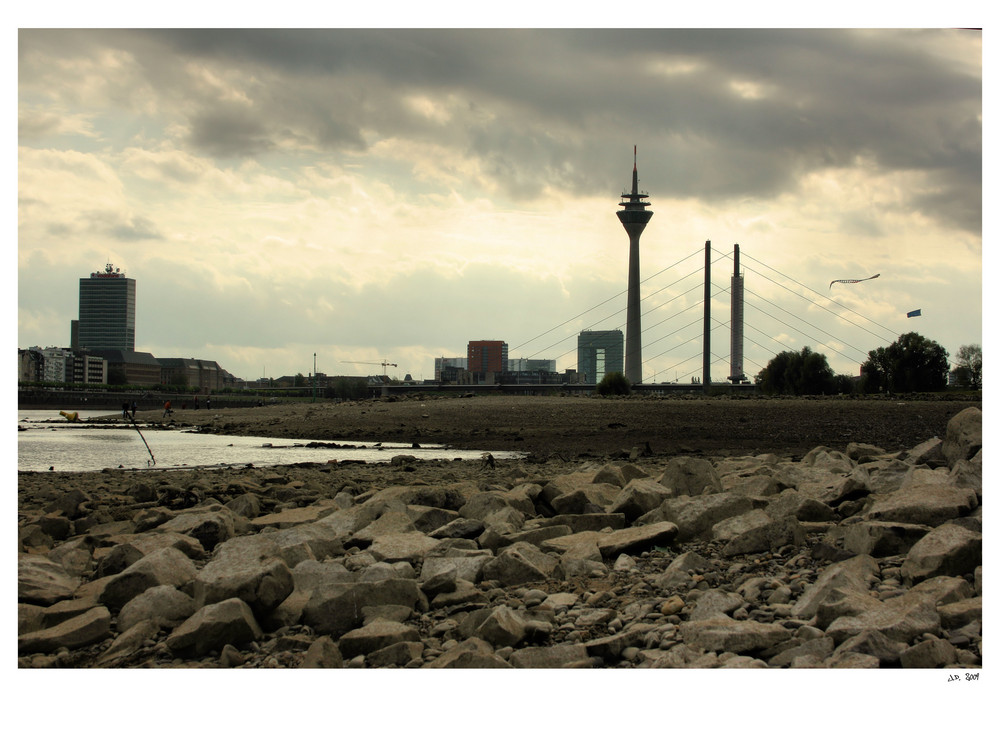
314, 377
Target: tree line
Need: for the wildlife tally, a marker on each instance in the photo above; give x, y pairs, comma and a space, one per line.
912, 364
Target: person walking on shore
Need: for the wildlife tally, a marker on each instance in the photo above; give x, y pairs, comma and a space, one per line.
167, 410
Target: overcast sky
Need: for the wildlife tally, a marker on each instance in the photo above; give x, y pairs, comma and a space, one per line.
393, 194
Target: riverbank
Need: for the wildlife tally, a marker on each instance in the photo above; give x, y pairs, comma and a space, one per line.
578, 427
853, 557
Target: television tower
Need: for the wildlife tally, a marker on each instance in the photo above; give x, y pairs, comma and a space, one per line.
633, 218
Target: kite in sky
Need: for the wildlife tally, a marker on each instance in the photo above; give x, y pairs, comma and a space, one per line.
913, 314
853, 281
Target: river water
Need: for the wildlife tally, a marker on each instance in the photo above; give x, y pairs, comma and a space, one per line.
46, 441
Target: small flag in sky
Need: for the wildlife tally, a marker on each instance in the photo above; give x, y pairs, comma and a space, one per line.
913, 314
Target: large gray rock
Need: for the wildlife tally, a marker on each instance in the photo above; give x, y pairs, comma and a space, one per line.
927, 453
722, 633
128, 642
467, 567
930, 654
731, 528
92, 626
639, 497
695, 516
305, 542
844, 602
855, 574
441, 497
166, 606
396, 655
150, 542
767, 537
882, 538
873, 643
961, 613
210, 526
589, 522
429, 518
409, 547
885, 476
689, 476
287, 518
801, 506
309, 575
323, 653
929, 505
345, 522
680, 570
472, 653
968, 474
213, 626
610, 648
964, 436
945, 589
588, 498
752, 486
334, 609
636, 539
164, 567
376, 635
550, 657
520, 563
815, 650
946, 550
900, 618
713, 603
249, 568
41, 581
503, 627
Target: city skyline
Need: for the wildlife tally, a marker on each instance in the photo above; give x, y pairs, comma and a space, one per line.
392, 194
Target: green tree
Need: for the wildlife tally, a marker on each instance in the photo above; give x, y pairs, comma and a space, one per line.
614, 383
803, 372
969, 369
912, 364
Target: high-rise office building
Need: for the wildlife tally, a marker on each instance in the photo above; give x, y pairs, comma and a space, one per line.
599, 352
487, 356
107, 312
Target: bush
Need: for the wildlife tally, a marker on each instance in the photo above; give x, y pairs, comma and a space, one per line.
803, 372
614, 383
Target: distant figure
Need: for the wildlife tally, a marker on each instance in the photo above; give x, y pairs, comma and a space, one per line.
208, 404
196, 402
133, 410
125, 410
167, 410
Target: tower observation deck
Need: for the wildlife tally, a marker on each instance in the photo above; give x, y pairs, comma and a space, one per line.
634, 218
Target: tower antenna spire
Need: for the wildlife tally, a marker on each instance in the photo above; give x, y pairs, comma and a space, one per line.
634, 216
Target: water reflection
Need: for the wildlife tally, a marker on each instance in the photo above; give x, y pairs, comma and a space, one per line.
43, 443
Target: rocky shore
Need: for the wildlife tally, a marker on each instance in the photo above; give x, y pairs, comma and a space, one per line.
842, 557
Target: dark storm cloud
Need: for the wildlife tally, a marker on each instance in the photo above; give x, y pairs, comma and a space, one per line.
563, 107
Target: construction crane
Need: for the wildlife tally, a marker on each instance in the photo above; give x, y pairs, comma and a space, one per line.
385, 363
